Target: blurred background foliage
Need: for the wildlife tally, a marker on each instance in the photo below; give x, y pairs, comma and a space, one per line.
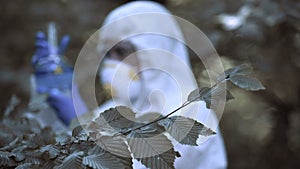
261, 129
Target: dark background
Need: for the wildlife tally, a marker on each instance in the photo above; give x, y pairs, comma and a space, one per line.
261, 129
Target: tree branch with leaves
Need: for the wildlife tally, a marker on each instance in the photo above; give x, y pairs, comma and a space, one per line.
116, 137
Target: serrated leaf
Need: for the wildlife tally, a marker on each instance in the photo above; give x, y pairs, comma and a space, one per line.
5, 160
161, 161
113, 121
50, 164
80, 134
51, 151
21, 126
100, 162
11, 145
152, 148
149, 117
73, 161
198, 94
96, 126
47, 134
54, 163
114, 145
18, 152
240, 76
33, 157
103, 161
84, 146
119, 117
248, 83
78, 130
117, 147
243, 70
209, 95
215, 95
185, 130
98, 150
19, 156
33, 140
27, 166
62, 139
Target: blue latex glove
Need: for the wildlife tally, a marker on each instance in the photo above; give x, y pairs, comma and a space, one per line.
44, 50
64, 105
54, 77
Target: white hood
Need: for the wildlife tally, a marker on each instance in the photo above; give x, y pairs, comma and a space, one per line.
163, 61
167, 76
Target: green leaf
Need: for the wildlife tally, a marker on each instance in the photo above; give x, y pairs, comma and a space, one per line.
153, 149
73, 161
248, 83
185, 130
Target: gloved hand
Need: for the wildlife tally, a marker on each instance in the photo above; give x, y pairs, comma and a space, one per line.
44, 50
64, 105
54, 77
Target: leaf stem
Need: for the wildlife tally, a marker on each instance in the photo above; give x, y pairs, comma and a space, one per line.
172, 112
164, 117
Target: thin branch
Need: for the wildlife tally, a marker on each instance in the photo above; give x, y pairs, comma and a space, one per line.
164, 117
172, 112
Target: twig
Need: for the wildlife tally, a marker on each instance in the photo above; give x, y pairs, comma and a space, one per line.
172, 112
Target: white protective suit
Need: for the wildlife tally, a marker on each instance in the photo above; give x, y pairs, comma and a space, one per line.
165, 78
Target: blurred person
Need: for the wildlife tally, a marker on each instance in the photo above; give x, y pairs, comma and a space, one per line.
160, 63
52, 80
148, 72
